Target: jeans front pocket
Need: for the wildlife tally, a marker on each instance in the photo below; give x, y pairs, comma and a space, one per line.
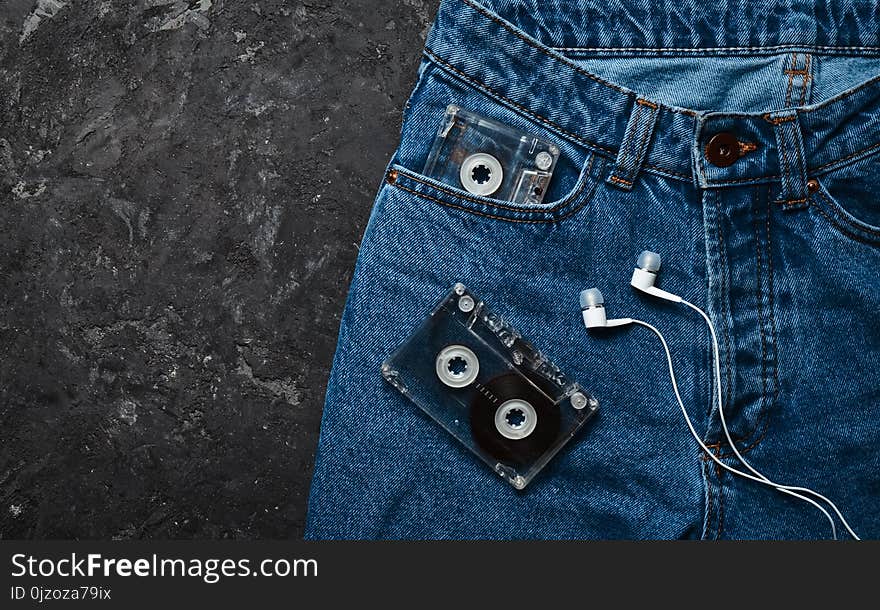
432, 191
848, 200
575, 176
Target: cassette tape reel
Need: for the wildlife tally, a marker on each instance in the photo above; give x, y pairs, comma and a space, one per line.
490, 159
472, 372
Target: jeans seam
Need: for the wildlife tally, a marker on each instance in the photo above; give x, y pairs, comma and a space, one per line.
710, 499
620, 180
790, 78
716, 50
725, 287
762, 419
807, 76
792, 204
586, 142
771, 305
759, 260
859, 152
767, 116
720, 501
745, 180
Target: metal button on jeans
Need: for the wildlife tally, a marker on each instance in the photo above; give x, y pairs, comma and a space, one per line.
723, 149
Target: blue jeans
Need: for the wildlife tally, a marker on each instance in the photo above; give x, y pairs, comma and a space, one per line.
773, 228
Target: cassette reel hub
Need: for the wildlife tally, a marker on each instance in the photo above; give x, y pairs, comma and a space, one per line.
457, 366
516, 419
481, 174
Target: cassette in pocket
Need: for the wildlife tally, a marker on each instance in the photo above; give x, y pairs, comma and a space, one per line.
472, 372
491, 159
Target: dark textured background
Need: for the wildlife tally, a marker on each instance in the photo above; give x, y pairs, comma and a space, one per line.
183, 186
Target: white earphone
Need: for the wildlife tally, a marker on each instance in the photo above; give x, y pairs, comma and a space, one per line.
593, 311
643, 278
645, 274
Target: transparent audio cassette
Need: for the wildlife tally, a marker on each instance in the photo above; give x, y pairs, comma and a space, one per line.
489, 387
491, 159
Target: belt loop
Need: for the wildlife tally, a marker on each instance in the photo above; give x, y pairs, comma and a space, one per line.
792, 166
636, 141
798, 67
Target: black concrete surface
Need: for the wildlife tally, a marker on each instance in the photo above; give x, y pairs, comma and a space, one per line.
183, 186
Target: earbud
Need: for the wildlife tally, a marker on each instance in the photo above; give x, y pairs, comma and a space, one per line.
593, 310
643, 278
645, 274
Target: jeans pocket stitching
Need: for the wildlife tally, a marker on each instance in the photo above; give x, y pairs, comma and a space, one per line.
489, 208
844, 222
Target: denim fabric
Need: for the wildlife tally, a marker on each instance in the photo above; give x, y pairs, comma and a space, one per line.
781, 247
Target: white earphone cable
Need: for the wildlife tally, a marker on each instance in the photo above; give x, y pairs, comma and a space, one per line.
718, 397
763, 481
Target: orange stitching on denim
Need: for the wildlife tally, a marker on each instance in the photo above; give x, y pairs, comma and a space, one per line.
746, 147
466, 209
807, 77
848, 157
777, 120
620, 180
799, 155
700, 51
763, 420
790, 81
650, 105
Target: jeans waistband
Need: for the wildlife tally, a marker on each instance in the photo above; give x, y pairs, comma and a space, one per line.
541, 79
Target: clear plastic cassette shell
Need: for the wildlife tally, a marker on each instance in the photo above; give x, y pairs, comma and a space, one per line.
472, 372
490, 159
